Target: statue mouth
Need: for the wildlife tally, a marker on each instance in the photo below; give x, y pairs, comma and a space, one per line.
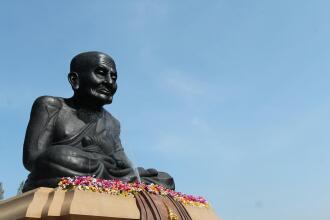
104, 91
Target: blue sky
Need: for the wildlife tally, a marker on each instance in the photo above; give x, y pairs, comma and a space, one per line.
230, 97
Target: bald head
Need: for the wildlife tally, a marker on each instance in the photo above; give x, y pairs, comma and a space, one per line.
93, 77
84, 61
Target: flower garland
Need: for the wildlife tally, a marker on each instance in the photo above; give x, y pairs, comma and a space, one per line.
117, 187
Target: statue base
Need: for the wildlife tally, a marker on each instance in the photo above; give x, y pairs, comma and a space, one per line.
56, 204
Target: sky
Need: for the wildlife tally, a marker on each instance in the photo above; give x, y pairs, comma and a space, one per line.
231, 97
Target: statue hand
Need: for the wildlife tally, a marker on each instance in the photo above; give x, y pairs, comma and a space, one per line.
92, 144
122, 164
86, 141
93, 140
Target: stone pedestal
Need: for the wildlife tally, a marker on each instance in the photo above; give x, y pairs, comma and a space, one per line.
49, 203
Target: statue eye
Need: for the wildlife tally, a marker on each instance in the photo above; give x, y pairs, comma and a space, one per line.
101, 71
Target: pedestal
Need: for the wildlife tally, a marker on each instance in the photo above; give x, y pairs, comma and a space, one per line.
49, 203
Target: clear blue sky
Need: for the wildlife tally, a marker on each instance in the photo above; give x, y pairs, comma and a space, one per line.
232, 97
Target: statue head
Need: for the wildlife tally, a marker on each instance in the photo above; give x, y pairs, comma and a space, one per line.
93, 77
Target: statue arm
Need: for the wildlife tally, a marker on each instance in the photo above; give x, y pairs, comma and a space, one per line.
119, 154
39, 132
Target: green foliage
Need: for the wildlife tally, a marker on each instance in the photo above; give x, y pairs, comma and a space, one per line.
2, 192
20, 188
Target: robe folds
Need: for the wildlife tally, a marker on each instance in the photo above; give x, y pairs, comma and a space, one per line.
95, 150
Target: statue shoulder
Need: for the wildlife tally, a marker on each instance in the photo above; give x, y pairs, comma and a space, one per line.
110, 117
48, 102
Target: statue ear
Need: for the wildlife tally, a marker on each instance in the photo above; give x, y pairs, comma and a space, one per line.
73, 78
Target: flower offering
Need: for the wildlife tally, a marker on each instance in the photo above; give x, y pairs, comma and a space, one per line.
117, 187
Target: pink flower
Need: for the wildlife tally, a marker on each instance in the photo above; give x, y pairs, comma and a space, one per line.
117, 187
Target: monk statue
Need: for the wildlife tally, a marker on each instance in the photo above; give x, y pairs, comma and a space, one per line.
76, 136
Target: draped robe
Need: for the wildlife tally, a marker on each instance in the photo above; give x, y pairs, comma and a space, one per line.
94, 150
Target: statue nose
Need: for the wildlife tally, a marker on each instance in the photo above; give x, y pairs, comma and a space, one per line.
108, 79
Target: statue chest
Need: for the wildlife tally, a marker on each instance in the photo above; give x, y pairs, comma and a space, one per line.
67, 125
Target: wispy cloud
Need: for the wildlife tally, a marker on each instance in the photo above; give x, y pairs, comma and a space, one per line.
145, 9
192, 138
183, 83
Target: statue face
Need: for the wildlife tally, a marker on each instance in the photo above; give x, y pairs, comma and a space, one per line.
97, 83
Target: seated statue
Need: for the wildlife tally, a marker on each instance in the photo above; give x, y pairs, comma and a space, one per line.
76, 136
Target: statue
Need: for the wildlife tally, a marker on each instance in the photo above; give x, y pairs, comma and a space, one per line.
76, 136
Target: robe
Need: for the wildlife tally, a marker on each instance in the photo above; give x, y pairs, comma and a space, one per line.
94, 150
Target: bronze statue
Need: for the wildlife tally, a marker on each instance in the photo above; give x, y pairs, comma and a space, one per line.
77, 136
